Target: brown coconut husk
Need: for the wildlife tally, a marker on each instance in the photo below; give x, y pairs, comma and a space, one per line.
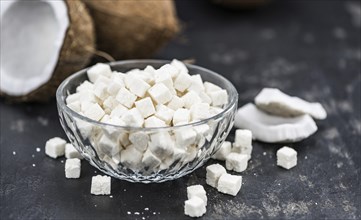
75, 54
133, 29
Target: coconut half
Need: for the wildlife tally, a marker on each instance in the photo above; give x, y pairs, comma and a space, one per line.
275, 102
274, 129
133, 29
42, 42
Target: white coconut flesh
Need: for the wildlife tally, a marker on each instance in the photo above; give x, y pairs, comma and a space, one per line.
274, 129
32, 35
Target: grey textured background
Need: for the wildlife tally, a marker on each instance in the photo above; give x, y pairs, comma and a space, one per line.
306, 48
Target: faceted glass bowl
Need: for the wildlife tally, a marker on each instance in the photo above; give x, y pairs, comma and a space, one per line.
200, 139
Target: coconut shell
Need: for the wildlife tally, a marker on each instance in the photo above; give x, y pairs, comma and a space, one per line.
133, 29
75, 54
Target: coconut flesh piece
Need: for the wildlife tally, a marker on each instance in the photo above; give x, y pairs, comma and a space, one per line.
278, 103
42, 42
274, 129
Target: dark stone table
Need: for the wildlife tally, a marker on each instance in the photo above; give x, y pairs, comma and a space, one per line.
306, 48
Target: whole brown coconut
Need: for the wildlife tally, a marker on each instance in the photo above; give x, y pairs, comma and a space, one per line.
133, 29
74, 54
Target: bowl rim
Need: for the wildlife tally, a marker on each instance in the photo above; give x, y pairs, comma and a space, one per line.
232, 92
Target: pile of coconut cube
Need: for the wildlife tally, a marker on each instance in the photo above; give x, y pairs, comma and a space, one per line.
164, 97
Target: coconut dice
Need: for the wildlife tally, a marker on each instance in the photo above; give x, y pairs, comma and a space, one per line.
148, 98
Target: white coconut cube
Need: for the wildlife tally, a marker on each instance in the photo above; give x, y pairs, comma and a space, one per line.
286, 157
181, 116
108, 145
185, 137
72, 168
219, 98
194, 207
175, 103
118, 111
229, 184
180, 66
210, 87
55, 147
94, 112
197, 191
126, 98
164, 113
139, 140
136, 85
101, 185
223, 151
131, 157
243, 138
71, 152
100, 90
182, 81
99, 69
161, 144
153, 122
75, 106
214, 172
196, 84
145, 107
160, 93
133, 118
191, 98
149, 160
165, 74
237, 162
199, 111
115, 86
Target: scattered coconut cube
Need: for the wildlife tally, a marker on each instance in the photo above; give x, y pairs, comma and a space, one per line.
197, 191
72, 168
145, 107
55, 147
126, 98
97, 70
214, 172
243, 138
100, 185
71, 152
286, 157
194, 207
237, 162
223, 151
229, 184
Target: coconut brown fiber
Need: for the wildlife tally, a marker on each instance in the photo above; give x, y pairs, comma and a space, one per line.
133, 29
74, 55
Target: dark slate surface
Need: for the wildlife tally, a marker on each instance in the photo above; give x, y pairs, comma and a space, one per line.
307, 48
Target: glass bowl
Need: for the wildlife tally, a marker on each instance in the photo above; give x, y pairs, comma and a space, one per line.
179, 149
